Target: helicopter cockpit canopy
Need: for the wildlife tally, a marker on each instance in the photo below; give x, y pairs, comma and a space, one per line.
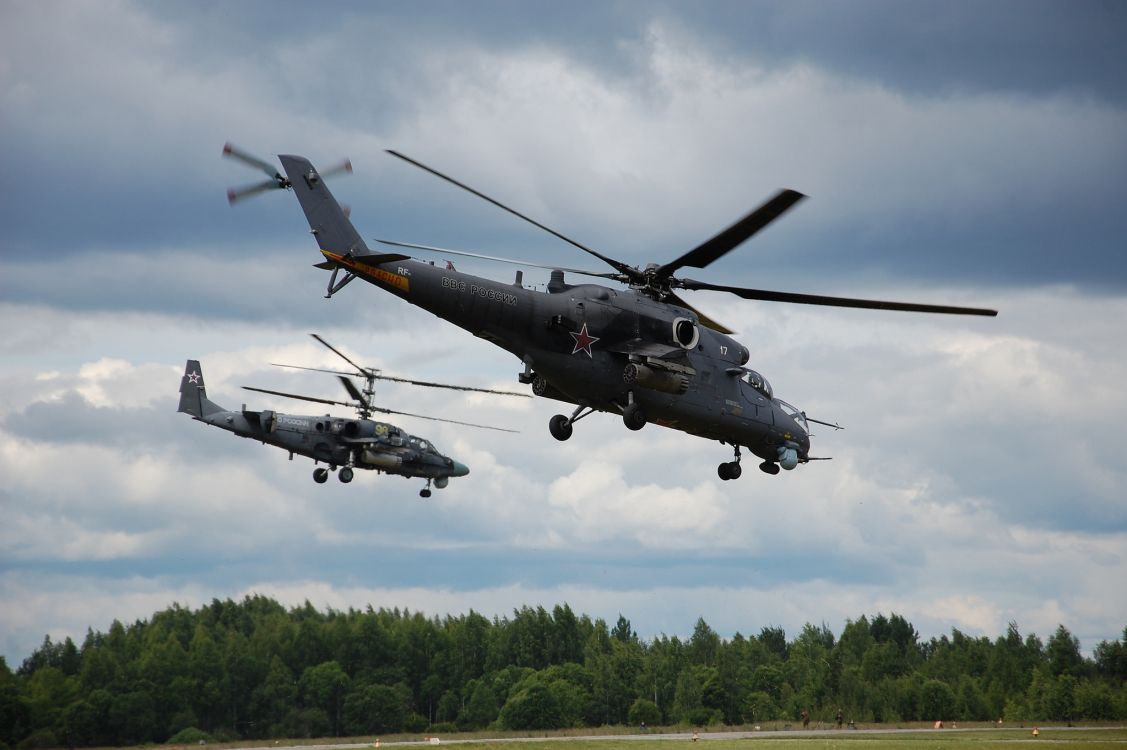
759, 383
422, 445
794, 413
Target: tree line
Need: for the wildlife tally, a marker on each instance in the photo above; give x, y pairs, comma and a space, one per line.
253, 669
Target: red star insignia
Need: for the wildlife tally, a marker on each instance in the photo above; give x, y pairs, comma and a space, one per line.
193, 377
583, 341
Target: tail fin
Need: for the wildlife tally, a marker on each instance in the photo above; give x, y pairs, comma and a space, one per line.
193, 397
330, 225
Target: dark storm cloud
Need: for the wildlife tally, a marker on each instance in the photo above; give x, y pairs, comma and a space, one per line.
250, 283
284, 76
1030, 47
1038, 47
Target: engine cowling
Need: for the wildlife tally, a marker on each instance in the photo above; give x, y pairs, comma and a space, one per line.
685, 333
359, 428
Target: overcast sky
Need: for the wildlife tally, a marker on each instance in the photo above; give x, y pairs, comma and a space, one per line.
959, 152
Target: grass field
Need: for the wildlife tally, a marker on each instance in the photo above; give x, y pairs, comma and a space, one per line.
1100, 738
1004, 739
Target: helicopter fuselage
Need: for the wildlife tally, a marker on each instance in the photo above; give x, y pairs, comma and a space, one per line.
604, 348
346, 443
337, 441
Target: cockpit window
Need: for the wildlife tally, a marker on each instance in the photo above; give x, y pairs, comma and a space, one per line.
759, 383
796, 414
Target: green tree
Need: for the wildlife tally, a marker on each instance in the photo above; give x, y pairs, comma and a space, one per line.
376, 709
761, 707
1095, 700
482, 707
15, 721
937, 700
275, 697
1063, 651
644, 712
325, 687
532, 708
133, 717
623, 632
1060, 698
775, 639
703, 645
1111, 660
688, 698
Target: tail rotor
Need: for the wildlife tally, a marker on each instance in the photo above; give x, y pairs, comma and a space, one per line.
276, 181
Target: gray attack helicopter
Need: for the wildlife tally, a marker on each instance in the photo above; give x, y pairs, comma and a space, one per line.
347, 443
642, 352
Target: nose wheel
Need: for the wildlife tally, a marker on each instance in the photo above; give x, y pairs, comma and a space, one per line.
731, 469
425, 491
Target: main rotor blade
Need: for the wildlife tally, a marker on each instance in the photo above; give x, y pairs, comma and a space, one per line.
433, 249
729, 239
429, 384
354, 391
363, 371
437, 419
621, 267
817, 299
312, 369
704, 319
300, 398
231, 151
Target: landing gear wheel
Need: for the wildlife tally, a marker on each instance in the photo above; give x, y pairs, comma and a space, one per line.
634, 417
769, 467
424, 493
560, 427
730, 470
320, 475
345, 475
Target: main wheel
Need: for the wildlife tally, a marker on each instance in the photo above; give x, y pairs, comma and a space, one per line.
634, 417
345, 474
769, 467
722, 472
424, 493
734, 470
320, 475
560, 427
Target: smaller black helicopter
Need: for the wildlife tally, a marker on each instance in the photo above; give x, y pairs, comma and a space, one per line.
347, 443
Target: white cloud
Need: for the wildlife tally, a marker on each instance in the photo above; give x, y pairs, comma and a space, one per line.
978, 480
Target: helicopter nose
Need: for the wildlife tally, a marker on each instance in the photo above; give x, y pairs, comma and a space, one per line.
460, 469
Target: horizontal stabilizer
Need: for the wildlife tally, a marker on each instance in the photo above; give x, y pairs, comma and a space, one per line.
377, 259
